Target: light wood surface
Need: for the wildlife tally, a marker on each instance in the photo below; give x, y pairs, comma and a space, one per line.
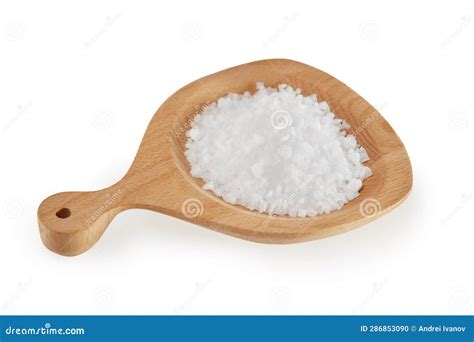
159, 179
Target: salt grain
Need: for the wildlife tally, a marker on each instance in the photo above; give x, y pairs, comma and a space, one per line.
277, 152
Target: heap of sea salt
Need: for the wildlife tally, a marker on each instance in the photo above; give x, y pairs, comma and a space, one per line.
276, 151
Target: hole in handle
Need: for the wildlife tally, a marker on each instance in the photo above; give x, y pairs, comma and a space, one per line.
63, 213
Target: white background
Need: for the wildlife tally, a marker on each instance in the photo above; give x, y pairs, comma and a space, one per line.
80, 82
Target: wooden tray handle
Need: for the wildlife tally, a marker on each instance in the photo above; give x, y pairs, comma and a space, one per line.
71, 222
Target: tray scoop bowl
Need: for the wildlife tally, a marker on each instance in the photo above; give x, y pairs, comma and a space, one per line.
159, 179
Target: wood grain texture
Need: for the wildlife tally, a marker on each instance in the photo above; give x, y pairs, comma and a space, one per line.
159, 177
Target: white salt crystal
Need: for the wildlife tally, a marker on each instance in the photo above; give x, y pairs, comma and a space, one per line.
257, 169
277, 152
354, 185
